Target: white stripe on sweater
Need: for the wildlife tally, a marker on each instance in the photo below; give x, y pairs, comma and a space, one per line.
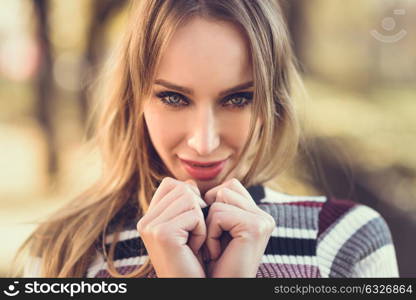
124, 235
272, 196
381, 263
288, 259
286, 232
348, 224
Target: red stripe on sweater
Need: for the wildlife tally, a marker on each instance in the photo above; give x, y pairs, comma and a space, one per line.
299, 203
331, 211
307, 203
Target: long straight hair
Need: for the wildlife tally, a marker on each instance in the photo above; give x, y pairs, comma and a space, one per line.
132, 168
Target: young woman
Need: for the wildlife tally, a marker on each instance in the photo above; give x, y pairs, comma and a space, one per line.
197, 116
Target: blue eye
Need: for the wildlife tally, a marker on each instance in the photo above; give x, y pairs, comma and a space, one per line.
239, 100
172, 99
176, 100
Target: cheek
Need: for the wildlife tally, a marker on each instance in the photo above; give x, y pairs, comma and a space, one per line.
164, 131
236, 128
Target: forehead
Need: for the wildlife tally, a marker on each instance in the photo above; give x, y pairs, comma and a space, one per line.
207, 54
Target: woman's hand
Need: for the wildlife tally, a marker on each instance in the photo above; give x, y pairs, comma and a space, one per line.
173, 230
238, 231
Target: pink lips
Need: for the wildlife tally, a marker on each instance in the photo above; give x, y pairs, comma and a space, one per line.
202, 172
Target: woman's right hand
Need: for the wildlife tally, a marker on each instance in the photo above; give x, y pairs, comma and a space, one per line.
173, 229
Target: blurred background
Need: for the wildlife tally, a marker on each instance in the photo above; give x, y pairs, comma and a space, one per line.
358, 60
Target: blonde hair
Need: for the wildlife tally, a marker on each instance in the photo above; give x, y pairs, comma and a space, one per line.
132, 168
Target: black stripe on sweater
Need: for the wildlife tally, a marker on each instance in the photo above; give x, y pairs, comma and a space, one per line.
276, 246
291, 246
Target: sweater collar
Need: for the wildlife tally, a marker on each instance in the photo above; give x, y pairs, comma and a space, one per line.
257, 192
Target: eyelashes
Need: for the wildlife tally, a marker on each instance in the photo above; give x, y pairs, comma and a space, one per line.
176, 100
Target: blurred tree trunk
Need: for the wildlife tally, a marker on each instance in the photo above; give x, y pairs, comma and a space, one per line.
44, 86
102, 12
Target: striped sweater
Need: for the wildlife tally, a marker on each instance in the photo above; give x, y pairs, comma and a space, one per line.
314, 237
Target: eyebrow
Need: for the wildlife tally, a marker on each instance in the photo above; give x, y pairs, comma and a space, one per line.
189, 91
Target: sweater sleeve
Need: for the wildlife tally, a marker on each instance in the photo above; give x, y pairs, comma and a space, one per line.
381, 263
32, 267
355, 241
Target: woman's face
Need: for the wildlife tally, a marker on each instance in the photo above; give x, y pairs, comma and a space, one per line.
193, 114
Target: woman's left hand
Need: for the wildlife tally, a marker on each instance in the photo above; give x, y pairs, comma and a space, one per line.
234, 213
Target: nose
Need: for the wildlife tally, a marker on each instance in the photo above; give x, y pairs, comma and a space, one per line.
204, 136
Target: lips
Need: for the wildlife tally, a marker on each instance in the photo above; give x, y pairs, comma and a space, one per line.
203, 170
202, 164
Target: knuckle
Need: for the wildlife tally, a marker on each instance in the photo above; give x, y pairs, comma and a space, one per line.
189, 201
224, 189
272, 222
183, 188
146, 233
161, 233
220, 195
215, 207
234, 181
215, 218
268, 218
166, 180
257, 231
139, 226
260, 228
